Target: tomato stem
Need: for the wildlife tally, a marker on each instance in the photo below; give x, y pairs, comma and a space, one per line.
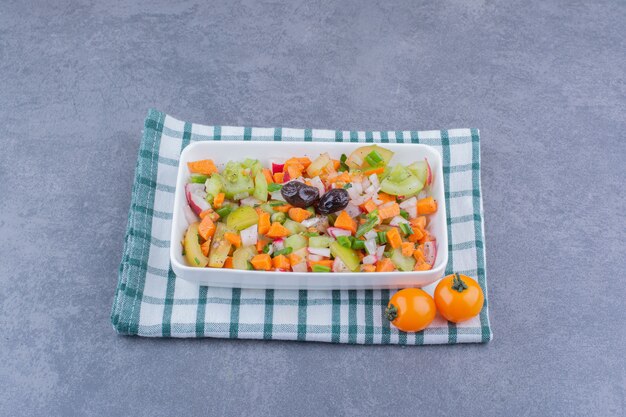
391, 312
458, 284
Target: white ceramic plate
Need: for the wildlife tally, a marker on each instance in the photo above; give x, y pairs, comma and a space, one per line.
222, 152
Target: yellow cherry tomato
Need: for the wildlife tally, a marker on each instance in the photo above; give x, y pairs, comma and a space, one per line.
458, 298
411, 310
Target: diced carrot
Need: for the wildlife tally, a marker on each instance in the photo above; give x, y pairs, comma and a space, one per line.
268, 175
407, 248
426, 206
294, 171
205, 166
416, 235
426, 238
336, 164
343, 177
298, 214
384, 265
278, 177
262, 262
419, 221
360, 255
294, 259
419, 254
368, 268
260, 244
228, 263
281, 262
387, 212
218, 200
394, 238
283, 209
422, 266
305, 161
376, 171
206, 228
344, 221
325, 262
264, 223
206, 247
277, 230
369, 206
233, 238
385, 198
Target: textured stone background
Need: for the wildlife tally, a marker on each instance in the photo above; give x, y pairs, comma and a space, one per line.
544, 81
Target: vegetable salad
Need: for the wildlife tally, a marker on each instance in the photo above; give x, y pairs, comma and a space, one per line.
359, 213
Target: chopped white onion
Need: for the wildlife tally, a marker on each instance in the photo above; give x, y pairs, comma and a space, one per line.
370, 246
250, 201
300, 267
313, 257
370, 260
422, 194
377, 200
365, 183
317, 183
319, 251
380, 251
336, 232
370, 235
358, 188
195, 187
312, 222
410, 202
249, 236
370, 190
276, 195
374, 180
397, 220
339, 266
352, 210
240, 196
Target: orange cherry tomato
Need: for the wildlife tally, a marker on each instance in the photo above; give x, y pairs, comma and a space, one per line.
459, 298
411, 310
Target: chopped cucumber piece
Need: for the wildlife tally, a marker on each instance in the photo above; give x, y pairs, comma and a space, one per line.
320, 241
221, 247
214, 185
357, 159
347, 256
242, 218
420, 170
260, 187
279, 217
294, 227
403, 263
191, 247
235, 182
296, 242
242, 257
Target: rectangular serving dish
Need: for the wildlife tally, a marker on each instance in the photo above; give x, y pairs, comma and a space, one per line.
222, 152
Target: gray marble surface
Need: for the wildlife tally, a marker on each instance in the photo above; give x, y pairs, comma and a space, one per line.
544, 81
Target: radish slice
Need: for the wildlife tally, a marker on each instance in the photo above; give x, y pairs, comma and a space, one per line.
370, 260
286, 177
249, 236
195, 198
339, 266
319, 251
189, 214
370, 235
370, 246
336, 232
429, 178
277, 168
278, 244
397, 220
430, 252
313, 257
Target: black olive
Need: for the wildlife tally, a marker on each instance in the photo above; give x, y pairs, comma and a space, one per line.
299, 194
334, 200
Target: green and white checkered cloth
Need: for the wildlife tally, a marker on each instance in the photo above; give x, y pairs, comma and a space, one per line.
150, 301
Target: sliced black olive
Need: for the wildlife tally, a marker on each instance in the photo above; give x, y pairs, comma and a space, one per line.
299, 194
334, 200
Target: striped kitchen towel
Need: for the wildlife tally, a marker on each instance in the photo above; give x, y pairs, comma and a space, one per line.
150, 301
